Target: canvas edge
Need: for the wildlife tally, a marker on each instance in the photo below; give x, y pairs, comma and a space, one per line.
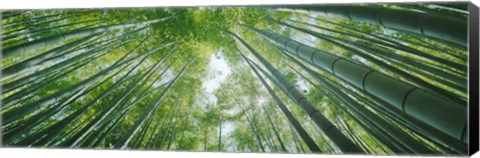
473, 78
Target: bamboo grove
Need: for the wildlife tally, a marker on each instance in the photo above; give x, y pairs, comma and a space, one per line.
359, 79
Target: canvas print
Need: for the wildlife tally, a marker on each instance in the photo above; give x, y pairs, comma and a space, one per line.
376, 78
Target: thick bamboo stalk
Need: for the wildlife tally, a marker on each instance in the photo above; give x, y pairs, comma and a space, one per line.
43, 77
405, 42
460, 6
33, 88
39, 24
19, 112
446, 116
24, 93
20, 67
36, 32
438, 138
293, 121
393, 45
391, 130
9, 85
404, 74
27, 19
39, 32
25, 41
66, 36
392, 144
321, 81
6, 15
327, 127
447, 29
